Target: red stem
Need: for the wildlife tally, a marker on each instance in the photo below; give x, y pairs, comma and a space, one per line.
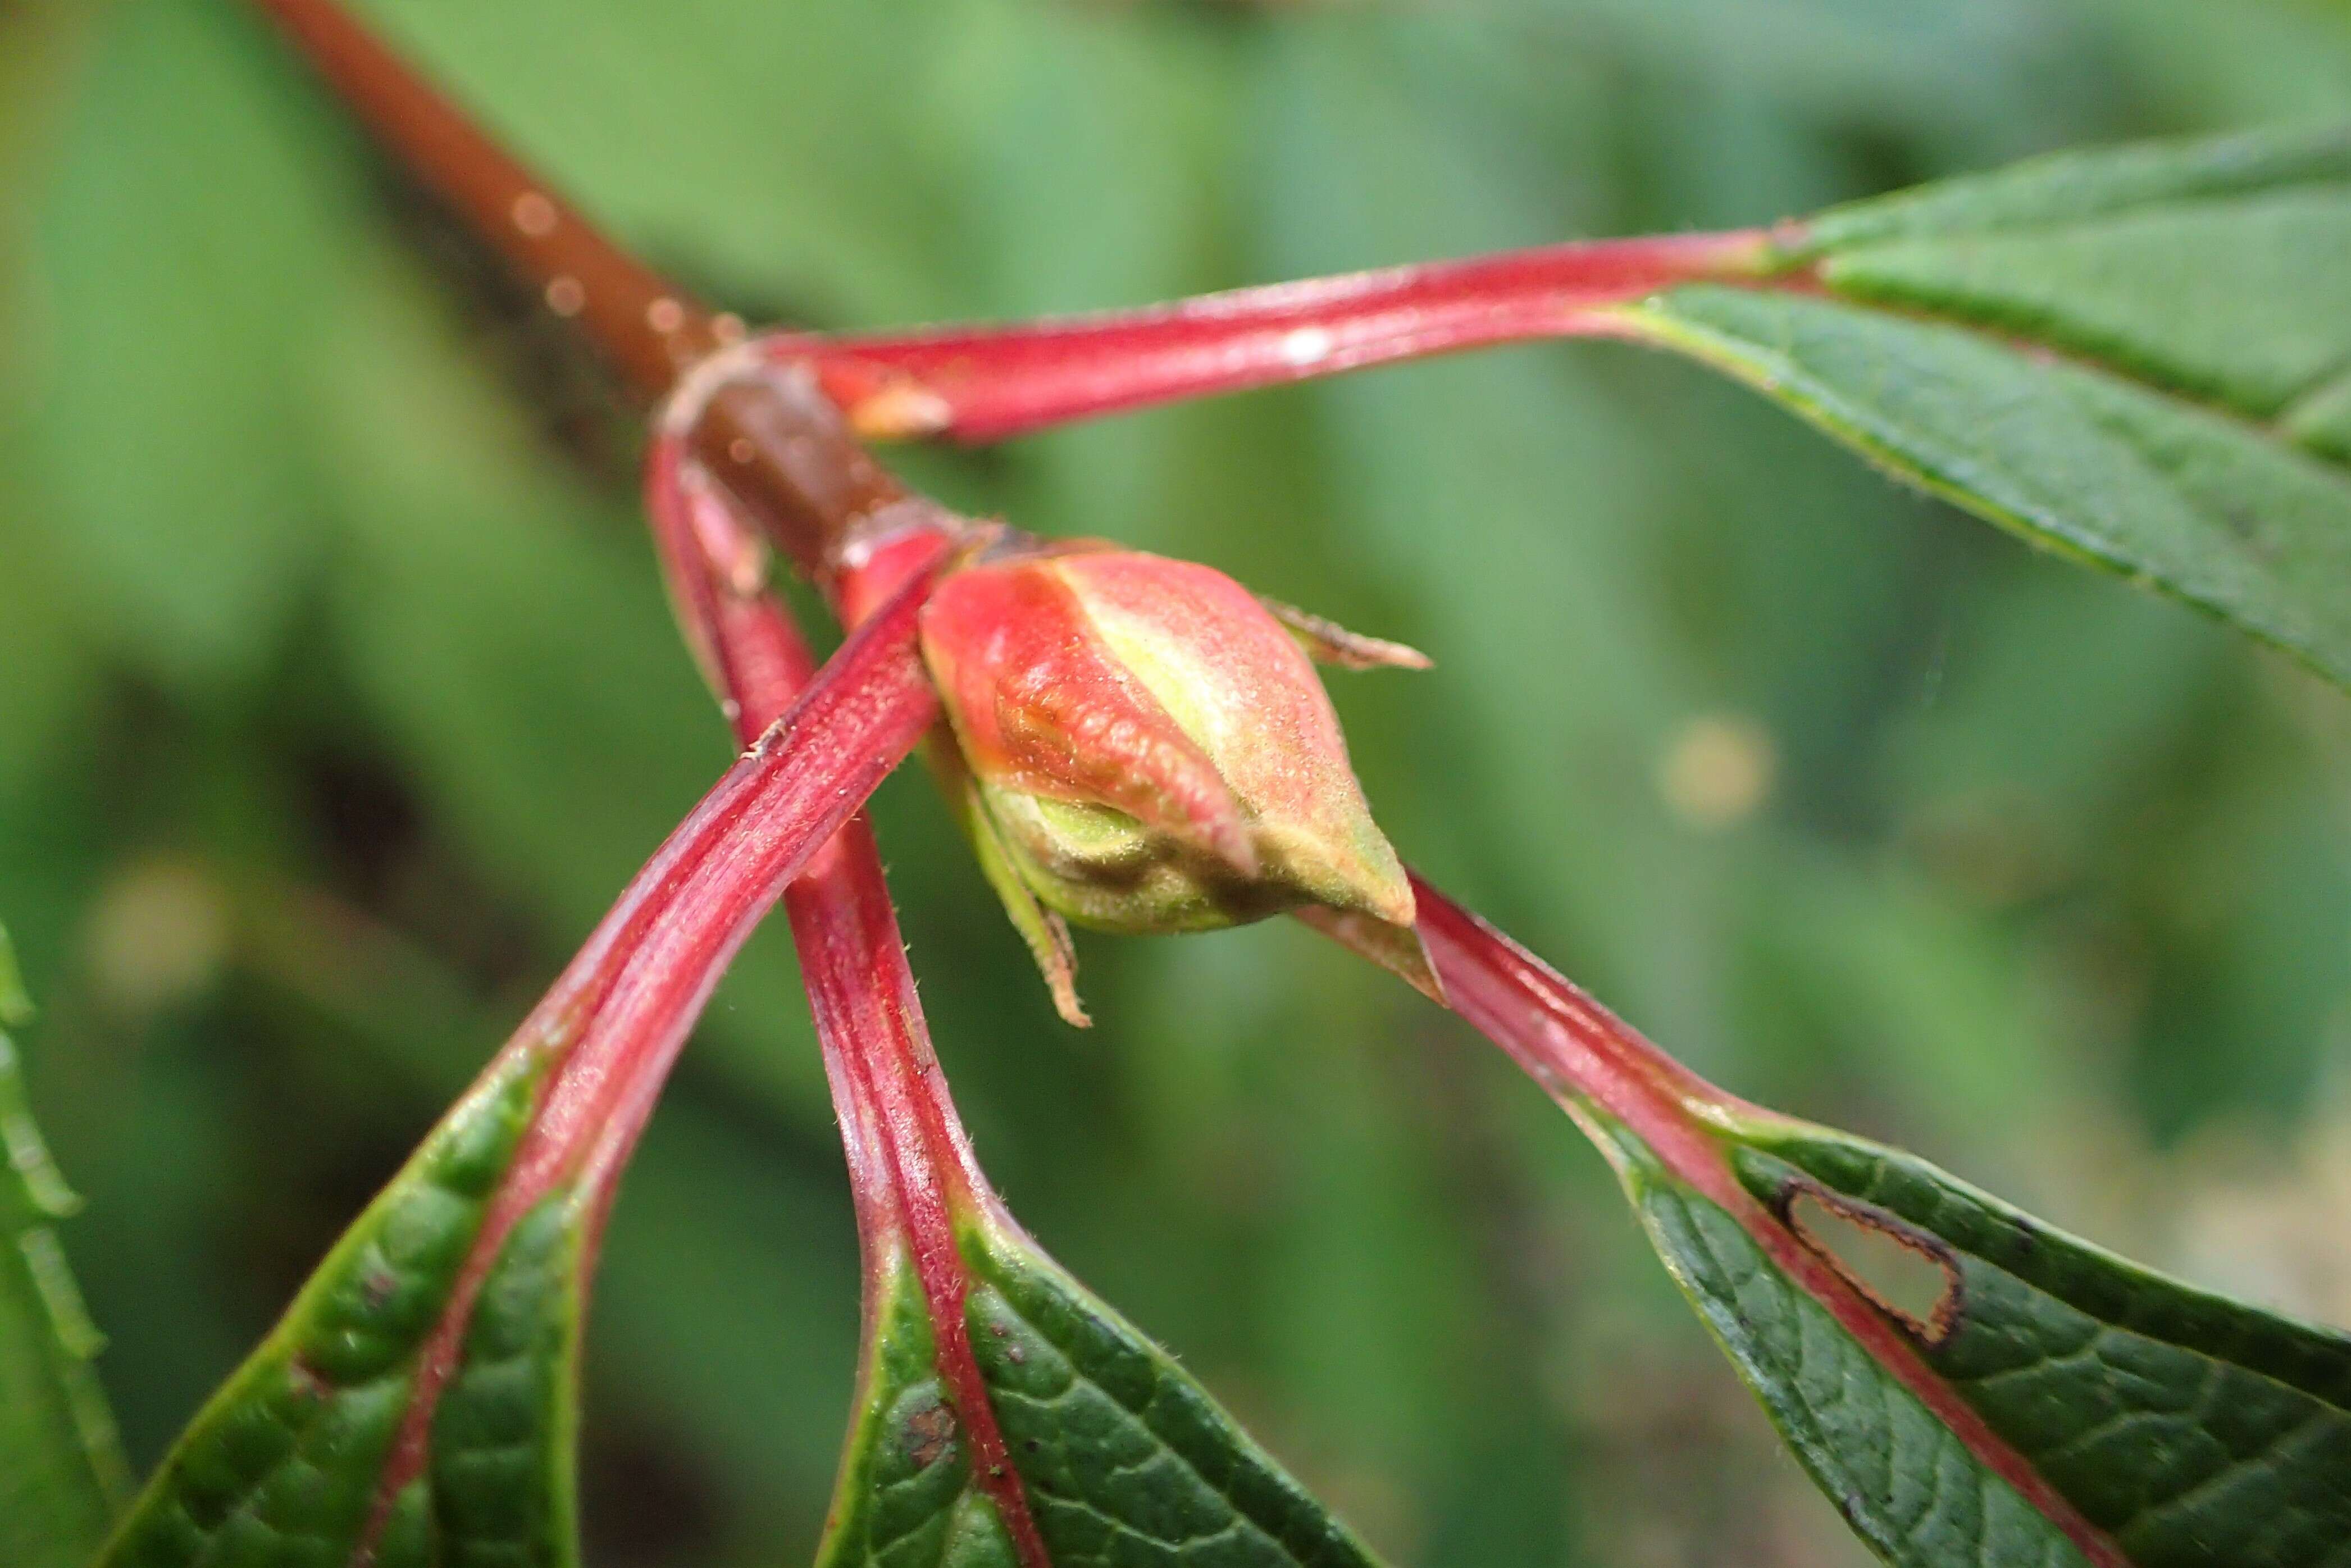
1586, 1056
886, 1082
777, 443
912, 1170
642, 976
982, 384
781, 451
622, 1007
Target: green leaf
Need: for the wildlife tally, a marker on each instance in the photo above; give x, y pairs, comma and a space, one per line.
61, 1471
905, 1492
1122, 1457
2141, 358
286, 1463
2188, 1430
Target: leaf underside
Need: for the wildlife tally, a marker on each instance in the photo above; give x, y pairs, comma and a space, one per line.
1123, 1458
2190, 1430
2141, 358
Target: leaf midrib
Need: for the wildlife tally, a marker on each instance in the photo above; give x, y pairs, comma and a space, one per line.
1068, 1350
1874, 1194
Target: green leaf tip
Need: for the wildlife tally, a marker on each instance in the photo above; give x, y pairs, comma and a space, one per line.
2192, 1429
287, 1461
2136, 357
2068, 1406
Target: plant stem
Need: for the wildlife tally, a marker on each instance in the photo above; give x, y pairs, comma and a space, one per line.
778, 447
886, 1080
912, 1170
983, 384
1592, 1062
783, 455
775, 441
615, 1019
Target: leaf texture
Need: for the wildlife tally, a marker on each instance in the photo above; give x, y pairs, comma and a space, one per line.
284, 1465
1124, 1458
2140, 357
2186, 1429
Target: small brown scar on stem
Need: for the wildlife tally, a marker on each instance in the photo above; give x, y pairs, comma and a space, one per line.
566, 295
1935, 1330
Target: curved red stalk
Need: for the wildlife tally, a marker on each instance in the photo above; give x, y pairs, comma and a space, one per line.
887, 1083
785, 456
912, 1170
982, 384
622, 1007
636, 985
1580, 1051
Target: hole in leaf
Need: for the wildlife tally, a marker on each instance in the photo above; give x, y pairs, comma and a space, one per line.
1908, 1274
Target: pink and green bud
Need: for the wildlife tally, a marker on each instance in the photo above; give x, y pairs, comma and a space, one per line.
1144, 748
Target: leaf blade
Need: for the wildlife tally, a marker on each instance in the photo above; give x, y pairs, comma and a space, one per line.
1121, 1455
2137, 356
2190, 501
1945, 1507
2190, 1432
336, 1374
1167, 1469
2090, 1365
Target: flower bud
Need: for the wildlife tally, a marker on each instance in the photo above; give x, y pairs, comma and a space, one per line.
1144, 748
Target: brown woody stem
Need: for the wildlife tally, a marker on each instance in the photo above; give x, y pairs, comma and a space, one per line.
775, 442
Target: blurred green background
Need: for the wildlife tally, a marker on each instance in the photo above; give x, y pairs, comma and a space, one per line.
337, 696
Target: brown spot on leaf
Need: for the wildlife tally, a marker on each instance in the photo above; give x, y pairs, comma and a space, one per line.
928, 1433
